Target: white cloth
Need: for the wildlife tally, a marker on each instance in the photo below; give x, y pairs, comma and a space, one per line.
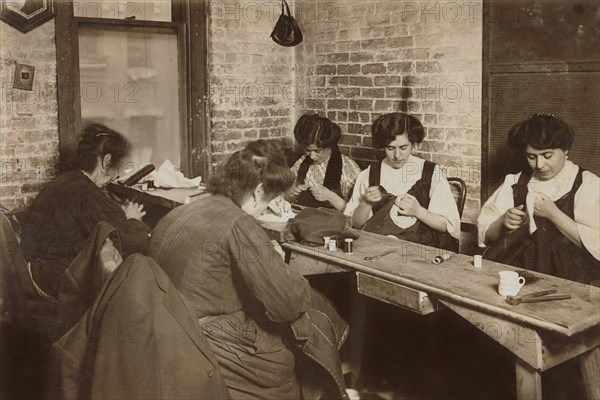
530, 206
399, 181
587, 203
167, 176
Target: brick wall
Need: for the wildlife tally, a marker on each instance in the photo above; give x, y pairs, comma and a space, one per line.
363, 58
28, 119
359, 59
251, 78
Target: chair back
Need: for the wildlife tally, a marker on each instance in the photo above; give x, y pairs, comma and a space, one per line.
459, 190
12, 300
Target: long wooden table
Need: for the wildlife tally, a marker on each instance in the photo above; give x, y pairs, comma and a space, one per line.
539, 335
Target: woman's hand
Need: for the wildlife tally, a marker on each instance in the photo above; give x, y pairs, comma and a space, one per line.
514, 218
296, 190
321, 193
408, 205
372, 195
544, 207
133, 210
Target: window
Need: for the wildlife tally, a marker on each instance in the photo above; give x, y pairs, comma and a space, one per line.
128, 65
131, 83
145, 10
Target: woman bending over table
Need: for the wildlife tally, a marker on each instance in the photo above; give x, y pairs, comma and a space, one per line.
222, 261
65, 212
546, 218
324, 176
404, 195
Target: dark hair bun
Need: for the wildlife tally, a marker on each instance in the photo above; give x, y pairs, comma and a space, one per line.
320, 131
261, 161
541, 131
386, 127
95, 142
271, 150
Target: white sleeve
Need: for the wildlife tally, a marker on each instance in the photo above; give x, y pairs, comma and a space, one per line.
496, 206
587, 213
442, 202
360, 188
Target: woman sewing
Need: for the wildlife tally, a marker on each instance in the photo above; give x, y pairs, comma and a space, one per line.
324, 176
403, 195
65, 212
547, 217
220, 258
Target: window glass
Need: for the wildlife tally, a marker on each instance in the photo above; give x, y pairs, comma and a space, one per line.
129, 82
157, 10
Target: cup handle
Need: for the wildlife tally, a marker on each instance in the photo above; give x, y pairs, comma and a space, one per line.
521, 282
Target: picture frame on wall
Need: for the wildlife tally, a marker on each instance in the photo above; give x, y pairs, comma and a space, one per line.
25, 15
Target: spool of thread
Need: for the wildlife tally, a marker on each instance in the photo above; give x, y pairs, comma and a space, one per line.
440, 259
348, 245
332, 245
326, 241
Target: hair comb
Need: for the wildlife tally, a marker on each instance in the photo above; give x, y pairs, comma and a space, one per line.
552, 115
260, 160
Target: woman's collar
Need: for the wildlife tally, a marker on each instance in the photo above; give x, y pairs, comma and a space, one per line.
566, 172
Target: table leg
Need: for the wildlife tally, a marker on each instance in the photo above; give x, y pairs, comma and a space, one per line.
529, 381
590, 369
358, 327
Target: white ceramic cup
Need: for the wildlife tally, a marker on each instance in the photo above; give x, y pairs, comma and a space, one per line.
510, 283
477, 260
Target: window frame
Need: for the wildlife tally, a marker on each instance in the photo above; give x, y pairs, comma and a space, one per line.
191, 48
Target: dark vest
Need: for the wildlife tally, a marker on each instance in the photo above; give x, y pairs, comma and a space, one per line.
333, 176
547, 250
419, 232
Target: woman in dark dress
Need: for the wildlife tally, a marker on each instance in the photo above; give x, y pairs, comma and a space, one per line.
65, 212
546, 218
220, 258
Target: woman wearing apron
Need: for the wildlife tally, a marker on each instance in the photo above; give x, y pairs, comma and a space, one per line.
324, 176
547, 217
403, 195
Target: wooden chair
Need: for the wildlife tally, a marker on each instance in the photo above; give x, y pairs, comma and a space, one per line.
13, 303
459, 190
28, 323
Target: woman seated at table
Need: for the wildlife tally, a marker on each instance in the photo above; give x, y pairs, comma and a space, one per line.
220, 258
549, 213
66, 210
324, 176
404, 195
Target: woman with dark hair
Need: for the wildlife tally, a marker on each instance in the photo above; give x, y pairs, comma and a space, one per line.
403, 195
548, 214
66, 210
219, 257
324, 176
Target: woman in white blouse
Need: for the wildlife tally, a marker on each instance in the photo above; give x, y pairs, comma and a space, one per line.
403, 195
548, 214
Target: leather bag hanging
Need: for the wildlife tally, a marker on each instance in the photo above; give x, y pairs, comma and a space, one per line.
286, 32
